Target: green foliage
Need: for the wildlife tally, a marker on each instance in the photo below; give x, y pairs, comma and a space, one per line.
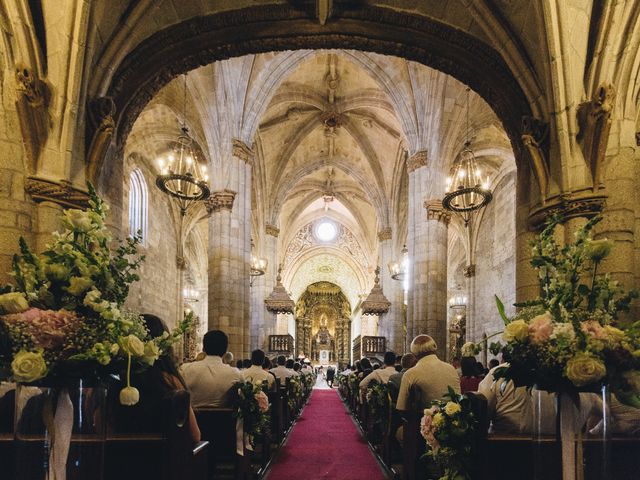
255, 421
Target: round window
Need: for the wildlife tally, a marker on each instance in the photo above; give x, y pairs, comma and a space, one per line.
326, 231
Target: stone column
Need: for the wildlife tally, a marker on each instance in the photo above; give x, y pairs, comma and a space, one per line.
392, 322
432, 298
229, 254
263, 322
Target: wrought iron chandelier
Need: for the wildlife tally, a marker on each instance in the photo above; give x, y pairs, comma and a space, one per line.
458, 300
399, 268
466, 192
258, 266
190, 295
181, 174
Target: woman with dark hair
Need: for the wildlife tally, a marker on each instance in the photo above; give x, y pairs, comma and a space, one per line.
155, 384
365, 365
469, 380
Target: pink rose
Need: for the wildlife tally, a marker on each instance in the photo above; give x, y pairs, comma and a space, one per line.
593, 329
541, 328
263, 401
48, 328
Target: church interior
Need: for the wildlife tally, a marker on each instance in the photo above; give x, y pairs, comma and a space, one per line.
326, 181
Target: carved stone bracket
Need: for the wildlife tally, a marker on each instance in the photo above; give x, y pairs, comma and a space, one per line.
242, 151
62, 193
32, 103
435, 211
535, 137
272, 230
384, 234
469, 271
101, 112
594, 118
417, 160
221, 200
569, 206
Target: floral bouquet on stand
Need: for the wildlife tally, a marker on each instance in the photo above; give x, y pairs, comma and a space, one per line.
253, 409
63, 326
449, 427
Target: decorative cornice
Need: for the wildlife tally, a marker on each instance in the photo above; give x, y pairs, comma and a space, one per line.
417, 160
376, 303
221, 200
384, 234
242, 151
568, 206
435, 211
62, 193
469, 271
272, 230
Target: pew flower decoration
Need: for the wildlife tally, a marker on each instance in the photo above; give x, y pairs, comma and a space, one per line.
377, 397
294, 391
448, 426
64, 317
253, 408
570, 338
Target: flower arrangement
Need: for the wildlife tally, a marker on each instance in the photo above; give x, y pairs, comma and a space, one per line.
64, 317
377, 397
253, 408
570, 339
470, 349
447, 426
294, 391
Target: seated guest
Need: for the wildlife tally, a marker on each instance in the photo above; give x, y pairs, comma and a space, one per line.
398, 364
296, 368
469, 381
239, 364
227, 358
480, 370
380, 375
347, 370
246, 363
376, 366
289, 364
154, 384
456, 364
255, 374
367, 368
408, 361
493, 363
281, 372
509, 409
430, 375
210, 381
306, 366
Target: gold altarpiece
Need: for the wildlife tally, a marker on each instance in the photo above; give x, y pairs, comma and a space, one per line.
323, 323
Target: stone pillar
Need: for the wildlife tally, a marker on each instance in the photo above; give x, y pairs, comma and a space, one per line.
229, 257
432, 298
263, 322
470, 311
392, 322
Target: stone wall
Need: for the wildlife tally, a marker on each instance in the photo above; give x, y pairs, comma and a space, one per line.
495, 260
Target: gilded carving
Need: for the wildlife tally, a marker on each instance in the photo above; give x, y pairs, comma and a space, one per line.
62, 193
417, 160
384, 234
534, 135
32, 103
594, 118
220, 200
435, 211
242, 151
568, 206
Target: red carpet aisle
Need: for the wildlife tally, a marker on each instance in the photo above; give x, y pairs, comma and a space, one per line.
325, 444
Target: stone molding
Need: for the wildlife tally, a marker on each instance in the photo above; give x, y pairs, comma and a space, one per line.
384, 234
62, 192
272, 230
32, 103
417, 160
221, 200
469, 271
568, 206
101, 112
435, 211
242, 151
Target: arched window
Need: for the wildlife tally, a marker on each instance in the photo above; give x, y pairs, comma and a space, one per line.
137, 204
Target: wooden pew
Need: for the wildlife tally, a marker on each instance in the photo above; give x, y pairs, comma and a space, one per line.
7, 452
218, 427
166, 454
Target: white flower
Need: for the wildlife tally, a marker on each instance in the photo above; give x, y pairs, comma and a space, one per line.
77, 220
564, 331
13, 302
57, 271
517, 330
132, 345
129, 396
78, 285
468, 349
151, 353
28, 366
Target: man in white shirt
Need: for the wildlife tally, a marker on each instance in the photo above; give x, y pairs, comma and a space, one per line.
281, 372
430, 375
255, 373
380, 375
210, 381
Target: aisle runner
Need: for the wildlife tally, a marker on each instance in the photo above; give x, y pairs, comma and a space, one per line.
325, 444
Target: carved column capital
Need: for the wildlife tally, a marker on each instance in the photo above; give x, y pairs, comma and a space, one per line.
221, 200
62, 193
417, 160
272, 230
30, 87
243, 151
435, 211
568, 206
384, 234
469, 271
